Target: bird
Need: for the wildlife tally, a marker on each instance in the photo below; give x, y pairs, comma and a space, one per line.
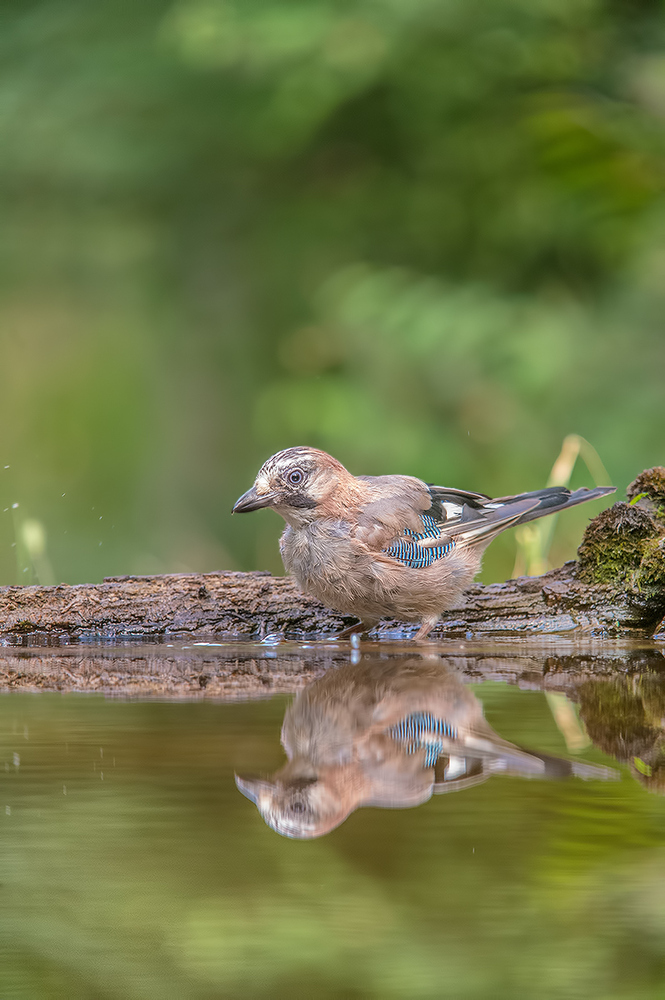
386, 546
387, 734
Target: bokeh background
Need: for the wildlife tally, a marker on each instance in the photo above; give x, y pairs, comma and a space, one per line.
426, 236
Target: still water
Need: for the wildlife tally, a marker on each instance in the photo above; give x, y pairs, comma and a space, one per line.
161, 847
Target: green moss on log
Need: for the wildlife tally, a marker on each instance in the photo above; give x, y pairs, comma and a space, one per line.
624, 546
648, 492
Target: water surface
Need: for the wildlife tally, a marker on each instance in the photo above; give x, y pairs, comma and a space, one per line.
132, 867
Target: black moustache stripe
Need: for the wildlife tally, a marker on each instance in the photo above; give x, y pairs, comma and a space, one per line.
298, 500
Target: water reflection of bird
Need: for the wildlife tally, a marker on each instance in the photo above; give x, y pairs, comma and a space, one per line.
386, 546
386, 733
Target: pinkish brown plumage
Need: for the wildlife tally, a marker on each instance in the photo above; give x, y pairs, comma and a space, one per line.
386, 546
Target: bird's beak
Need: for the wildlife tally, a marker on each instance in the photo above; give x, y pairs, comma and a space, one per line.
254, 789
252, 500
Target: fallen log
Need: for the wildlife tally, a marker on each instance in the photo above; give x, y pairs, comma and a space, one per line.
616, 589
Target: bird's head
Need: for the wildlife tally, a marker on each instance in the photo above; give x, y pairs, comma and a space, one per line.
296, 483
300, 808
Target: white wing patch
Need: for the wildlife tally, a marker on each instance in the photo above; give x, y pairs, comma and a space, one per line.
452, 510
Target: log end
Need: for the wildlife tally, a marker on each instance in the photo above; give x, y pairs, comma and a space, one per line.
624, 547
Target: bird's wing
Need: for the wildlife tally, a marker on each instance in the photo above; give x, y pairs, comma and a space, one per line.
391, 506
463, 509
479, 524
417, 524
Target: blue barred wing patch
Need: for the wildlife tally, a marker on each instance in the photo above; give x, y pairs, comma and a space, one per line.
407, 550
420, 731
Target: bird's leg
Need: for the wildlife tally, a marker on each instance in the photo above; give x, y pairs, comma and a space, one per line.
425, 628
359, 628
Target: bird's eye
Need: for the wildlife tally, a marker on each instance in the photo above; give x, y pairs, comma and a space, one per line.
295, 477
297, 807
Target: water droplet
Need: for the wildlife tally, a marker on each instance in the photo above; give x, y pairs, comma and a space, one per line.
6, 467
64, 789
8, 810
16, 759
14, 506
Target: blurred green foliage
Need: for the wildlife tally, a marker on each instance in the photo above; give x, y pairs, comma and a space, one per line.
426, 236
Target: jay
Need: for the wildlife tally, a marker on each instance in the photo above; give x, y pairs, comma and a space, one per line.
387, 546
389, 734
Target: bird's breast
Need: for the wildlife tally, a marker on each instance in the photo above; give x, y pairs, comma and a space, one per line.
323, 557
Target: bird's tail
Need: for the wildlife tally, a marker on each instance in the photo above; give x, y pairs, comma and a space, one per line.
531, 764
552, 500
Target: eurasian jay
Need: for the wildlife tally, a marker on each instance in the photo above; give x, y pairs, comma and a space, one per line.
387, 546
390, 734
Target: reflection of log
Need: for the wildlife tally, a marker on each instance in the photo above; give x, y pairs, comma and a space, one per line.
159, 671
616, 590
241, 670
